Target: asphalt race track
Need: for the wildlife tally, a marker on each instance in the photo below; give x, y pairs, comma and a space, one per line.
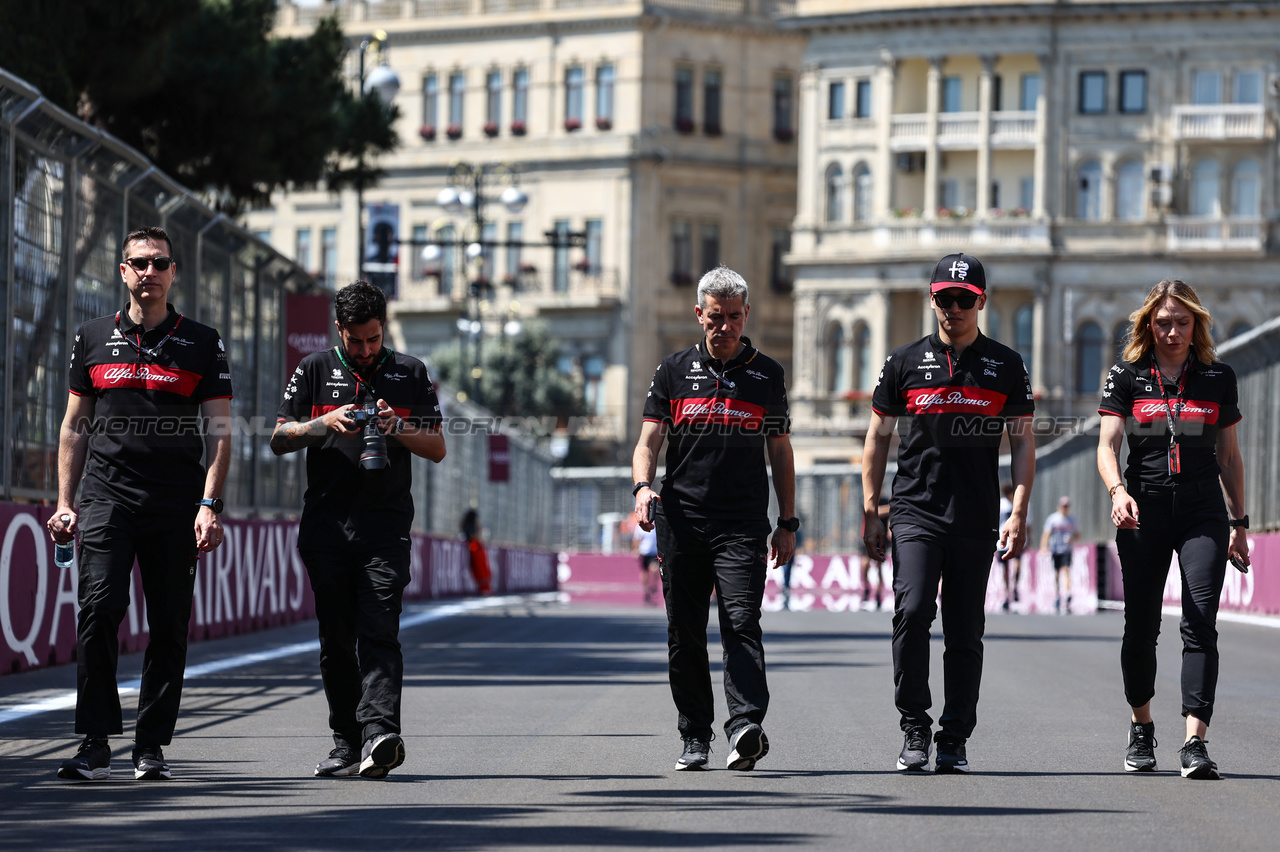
534, 725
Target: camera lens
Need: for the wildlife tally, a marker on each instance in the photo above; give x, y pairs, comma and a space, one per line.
374, 456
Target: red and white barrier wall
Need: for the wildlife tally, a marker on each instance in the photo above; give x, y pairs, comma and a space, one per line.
255, 580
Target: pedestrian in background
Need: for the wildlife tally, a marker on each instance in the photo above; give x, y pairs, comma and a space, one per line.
360, 410
1060, 532
1179, 406
721, 406
961, 391
477, 556
150, 491
647, 549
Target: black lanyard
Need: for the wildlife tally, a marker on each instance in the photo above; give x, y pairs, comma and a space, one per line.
386, 353
153, 351
1172, 412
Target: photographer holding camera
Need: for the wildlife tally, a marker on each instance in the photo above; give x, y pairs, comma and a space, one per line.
360, 409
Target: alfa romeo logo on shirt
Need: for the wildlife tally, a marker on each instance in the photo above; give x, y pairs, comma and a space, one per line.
118, 374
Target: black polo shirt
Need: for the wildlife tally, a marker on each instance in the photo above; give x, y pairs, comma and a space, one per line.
718, 416
1210, 401
146, 444
344, 503
952, 414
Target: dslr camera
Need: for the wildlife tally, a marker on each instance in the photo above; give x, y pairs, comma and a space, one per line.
374, 455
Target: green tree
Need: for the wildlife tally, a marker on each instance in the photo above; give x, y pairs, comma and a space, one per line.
203, 90
519, 375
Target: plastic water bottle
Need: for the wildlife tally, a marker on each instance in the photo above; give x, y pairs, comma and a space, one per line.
64, 554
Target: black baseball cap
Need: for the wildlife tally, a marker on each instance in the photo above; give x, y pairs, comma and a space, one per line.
959, 270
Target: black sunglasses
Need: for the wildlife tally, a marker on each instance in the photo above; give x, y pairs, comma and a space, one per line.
964, 300
161, 263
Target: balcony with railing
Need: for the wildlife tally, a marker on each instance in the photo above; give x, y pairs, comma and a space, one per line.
1013, 129
1230, 234
1219, 122
1004, 233
351, 11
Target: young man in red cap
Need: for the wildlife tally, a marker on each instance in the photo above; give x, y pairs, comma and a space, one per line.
960, 391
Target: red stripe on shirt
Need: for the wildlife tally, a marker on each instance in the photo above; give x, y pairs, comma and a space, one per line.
955, 400
718, 410
147, 376
1193, 411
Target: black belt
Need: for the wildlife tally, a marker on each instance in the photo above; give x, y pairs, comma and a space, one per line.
1183, 489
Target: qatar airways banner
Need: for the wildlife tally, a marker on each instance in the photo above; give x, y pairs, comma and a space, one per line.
307, 321
254, 581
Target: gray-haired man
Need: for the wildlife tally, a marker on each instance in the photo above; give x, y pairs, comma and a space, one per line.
722, 406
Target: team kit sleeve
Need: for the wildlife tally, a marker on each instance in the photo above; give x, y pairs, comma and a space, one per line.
657, 405
425, 411
1021, 400
1229, 410
78, 379
1117, 393
886, 399
777, 412
216, 381
296, 404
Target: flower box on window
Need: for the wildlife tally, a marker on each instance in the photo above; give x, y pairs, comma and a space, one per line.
427, 132
509, 280
856, 395
712, 130
684, 125
603, 123
454, 131
784, 134
583, 266
491, 129
518, 128
528, 268
681, 279
572, 124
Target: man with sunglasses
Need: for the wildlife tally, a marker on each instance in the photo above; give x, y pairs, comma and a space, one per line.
146, 425
960, 392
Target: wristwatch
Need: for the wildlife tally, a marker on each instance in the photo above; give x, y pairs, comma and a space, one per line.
214, 503
635, 489
789, 524
399, 427
1239, 522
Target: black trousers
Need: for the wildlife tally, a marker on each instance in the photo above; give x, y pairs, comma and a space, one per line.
694, 559
962, 566
111, 536
1191, 522
358, 592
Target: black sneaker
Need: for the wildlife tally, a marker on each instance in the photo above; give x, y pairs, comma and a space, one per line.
91, 763
915, 751
380, 755
746, 746
340, 763
951, 757
149, 765
1142, 748
696, 751
1195, 761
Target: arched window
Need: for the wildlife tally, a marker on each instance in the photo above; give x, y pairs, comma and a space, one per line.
862, 357
1089, 198
1120, 338
861, 193
1245, 181
1205, 188
1129, 191
1089, 358
1023, 328
837, 364
835, 193
1240, 327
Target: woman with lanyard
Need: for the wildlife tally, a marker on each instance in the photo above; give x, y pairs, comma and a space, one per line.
1179, 407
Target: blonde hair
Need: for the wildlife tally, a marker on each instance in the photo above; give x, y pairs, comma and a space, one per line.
1140, 340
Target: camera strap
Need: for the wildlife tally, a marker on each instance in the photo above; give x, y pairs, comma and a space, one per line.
368, 383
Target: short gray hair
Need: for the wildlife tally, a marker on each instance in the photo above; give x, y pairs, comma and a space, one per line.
723, 283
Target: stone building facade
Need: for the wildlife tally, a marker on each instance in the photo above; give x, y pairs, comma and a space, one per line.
1082, 151
662, 130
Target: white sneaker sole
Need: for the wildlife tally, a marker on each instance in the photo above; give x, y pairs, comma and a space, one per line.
748, 747
385, 755
102, 773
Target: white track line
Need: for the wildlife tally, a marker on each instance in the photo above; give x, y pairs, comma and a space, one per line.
68, 699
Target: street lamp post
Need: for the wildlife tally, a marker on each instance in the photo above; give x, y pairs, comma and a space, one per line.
466, 195
385, 84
